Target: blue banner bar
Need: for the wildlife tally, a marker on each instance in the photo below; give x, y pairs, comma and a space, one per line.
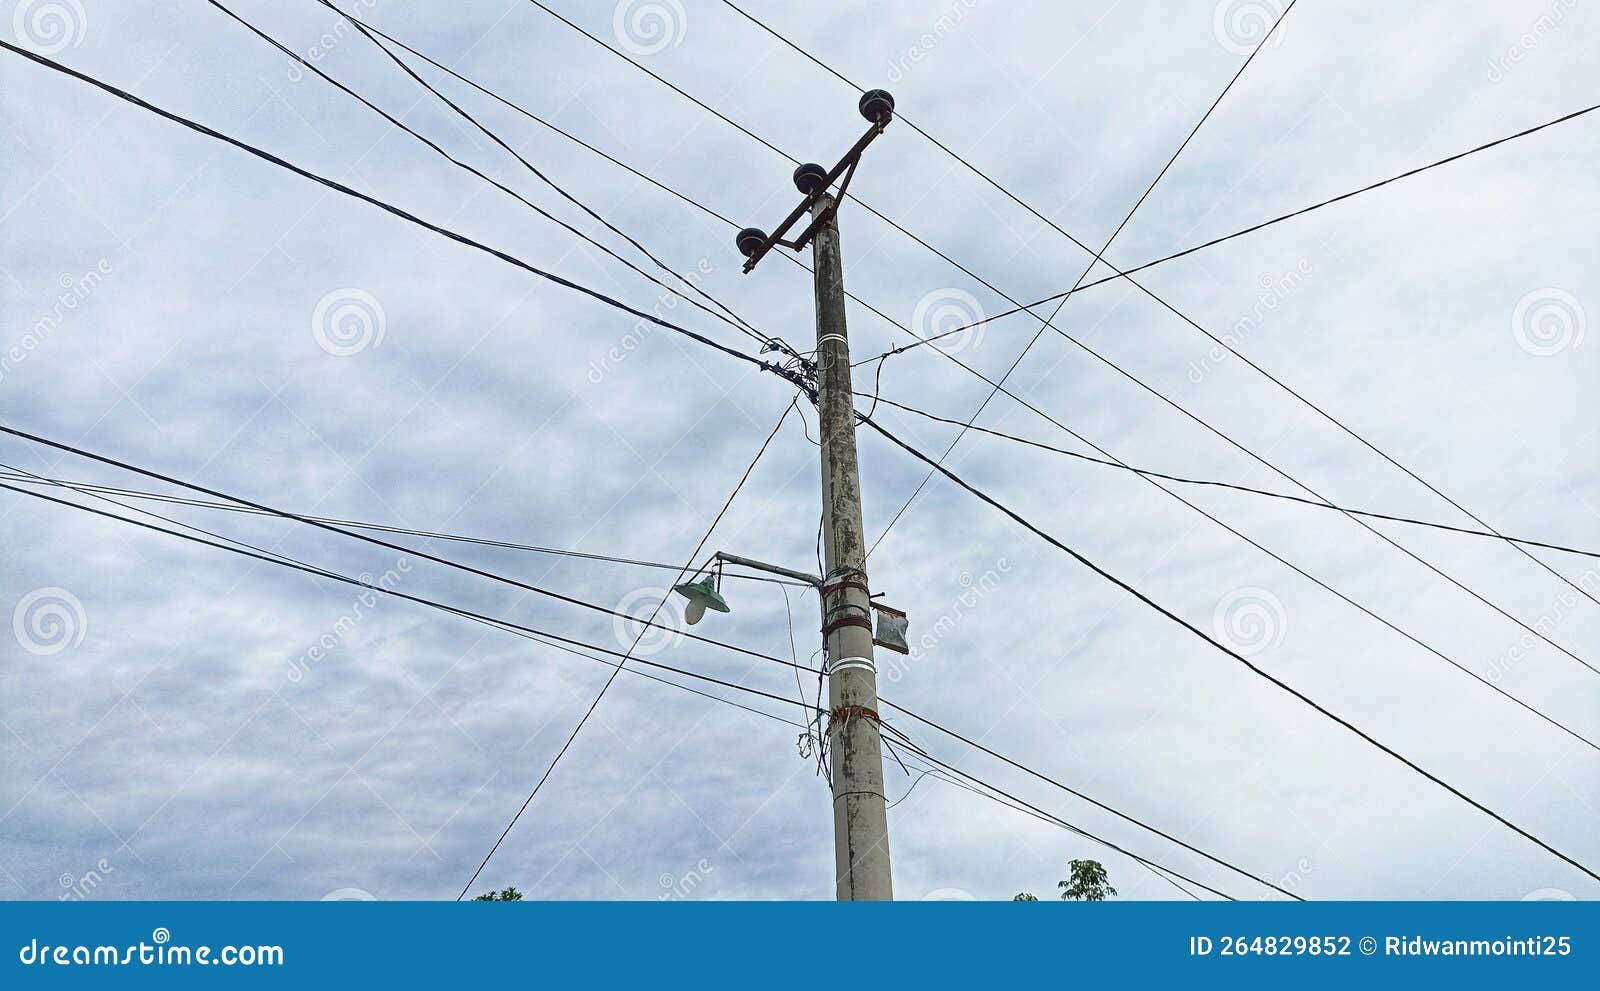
787, 945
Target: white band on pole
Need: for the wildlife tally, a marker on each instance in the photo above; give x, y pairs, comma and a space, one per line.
825, 338
852, 663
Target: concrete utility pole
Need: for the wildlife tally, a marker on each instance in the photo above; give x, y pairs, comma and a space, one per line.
860, 818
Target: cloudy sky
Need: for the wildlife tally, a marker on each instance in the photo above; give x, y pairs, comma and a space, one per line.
173, 302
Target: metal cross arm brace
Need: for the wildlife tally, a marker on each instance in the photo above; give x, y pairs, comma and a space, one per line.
877, 106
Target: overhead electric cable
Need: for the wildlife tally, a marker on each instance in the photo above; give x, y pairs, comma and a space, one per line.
1023, 307
580, 142
766, 340
99, 492
731, 319
228, 507
567, 645
1234, 486
1049, 323
379, 542
584, 719
1235, 655
283, 561
390, 208
1220, 341
766, 657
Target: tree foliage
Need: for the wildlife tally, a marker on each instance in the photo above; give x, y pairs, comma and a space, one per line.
1088, 883
507, 895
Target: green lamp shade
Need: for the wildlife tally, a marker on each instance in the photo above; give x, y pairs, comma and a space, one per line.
702, 595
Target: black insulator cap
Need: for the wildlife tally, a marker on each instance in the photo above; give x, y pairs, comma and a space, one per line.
750, 240
810, 178
877, 106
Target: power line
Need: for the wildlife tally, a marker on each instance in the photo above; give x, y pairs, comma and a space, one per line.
949, 778
1079, 285
732, 319
98, 492
1020, 308
582, 721
90, 488
1098, 255
580, 142
284, 561
1234, 486
403, 549
1054, 819
390, 208
768, 144
768, 342
1240, 658
472, 615
213, 133
1364, 610
565, 644
1302, 485
1049, 323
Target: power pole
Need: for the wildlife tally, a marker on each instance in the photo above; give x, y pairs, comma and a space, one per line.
860, 816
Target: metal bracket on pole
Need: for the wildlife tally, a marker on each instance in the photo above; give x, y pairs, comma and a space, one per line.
877, 106
773, 569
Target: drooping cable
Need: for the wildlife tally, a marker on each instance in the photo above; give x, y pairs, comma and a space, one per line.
390, 208
1232, 486
768, 342
731, 319
1220, 341
228, 507
469, 614
365, 538
1024, 307
1049, 323
1235, 655
584, 719
275, 557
